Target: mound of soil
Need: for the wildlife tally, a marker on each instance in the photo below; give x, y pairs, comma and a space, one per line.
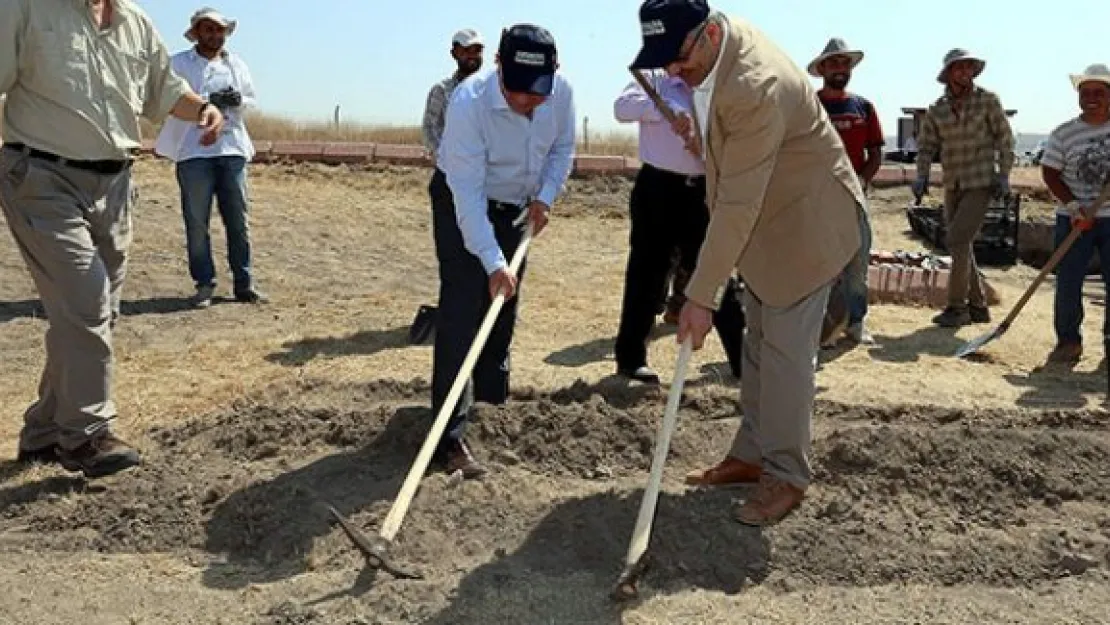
903, 494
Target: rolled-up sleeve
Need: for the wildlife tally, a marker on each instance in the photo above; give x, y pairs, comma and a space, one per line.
164, 86
11, 39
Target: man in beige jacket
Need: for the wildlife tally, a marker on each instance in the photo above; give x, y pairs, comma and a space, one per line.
783, 200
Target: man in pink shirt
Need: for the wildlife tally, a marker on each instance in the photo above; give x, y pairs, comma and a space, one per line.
668, 210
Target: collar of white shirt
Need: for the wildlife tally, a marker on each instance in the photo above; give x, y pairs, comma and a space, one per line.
703, 93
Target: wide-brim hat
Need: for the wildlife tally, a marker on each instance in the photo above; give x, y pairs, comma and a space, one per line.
1097, 72
208, 13
956, 55
835, 47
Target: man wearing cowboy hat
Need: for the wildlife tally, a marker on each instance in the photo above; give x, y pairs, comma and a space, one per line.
1075, 166
217, 171
968, 127
855, 118
783, 202
78, 75
467, 46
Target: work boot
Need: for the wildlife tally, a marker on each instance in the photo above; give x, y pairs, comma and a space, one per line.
859, 335
100, 456
953, 317
1066, 352
459, 458
728, 472
772, 501
979, 314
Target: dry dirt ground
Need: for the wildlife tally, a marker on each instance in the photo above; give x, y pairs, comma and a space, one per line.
949, 491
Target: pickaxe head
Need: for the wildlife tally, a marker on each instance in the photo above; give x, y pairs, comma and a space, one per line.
375, 549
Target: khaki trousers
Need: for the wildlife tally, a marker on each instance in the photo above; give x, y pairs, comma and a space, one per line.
779, 385
73, 229
964, 211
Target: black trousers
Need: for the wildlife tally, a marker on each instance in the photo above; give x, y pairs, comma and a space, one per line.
464, 300
668, 210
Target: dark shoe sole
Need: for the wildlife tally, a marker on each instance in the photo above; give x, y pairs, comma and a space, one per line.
104, 468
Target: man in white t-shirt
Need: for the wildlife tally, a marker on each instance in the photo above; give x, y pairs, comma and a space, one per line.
217, 171
1075, 166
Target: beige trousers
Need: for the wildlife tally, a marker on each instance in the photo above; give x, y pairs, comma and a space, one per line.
964, 211
779, 384
73, 229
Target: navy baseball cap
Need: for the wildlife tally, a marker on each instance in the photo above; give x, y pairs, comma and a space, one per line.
528, 59
665, 25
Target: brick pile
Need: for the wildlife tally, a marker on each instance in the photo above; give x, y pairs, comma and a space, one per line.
913, 280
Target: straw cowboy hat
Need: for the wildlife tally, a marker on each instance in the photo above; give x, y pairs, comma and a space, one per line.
956, 55
835, 47
208, 13
1097, 72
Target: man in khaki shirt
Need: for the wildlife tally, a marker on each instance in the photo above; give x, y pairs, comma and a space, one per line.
78, 74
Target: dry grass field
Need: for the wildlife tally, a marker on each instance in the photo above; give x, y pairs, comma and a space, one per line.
949, 491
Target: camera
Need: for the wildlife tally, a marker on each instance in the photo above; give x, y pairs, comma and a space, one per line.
226, 98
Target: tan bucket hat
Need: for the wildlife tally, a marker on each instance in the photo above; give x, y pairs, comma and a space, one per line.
956, 55
1097, 72
835, 47
208, 13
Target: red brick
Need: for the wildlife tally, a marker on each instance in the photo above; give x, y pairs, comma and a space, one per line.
349, 152
888, 176
263, 151
585, 165
400, 154
148, 146
298, 150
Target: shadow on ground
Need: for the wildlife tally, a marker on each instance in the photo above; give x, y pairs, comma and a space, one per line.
363, 342
1057, 386
32, 308
931, 341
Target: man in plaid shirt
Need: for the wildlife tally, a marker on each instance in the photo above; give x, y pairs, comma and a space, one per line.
968, 126
466, 49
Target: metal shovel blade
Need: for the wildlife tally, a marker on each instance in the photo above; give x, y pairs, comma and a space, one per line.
374, 549
973, 345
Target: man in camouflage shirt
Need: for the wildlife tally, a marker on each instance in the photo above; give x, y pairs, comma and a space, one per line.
968, 126
466, 49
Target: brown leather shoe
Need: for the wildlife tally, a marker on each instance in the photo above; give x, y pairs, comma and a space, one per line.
772, 501
102, 455
1066, 352
459, 458
728, 471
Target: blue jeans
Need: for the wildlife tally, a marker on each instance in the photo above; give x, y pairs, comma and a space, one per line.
1070, 273
855, 274
225, 179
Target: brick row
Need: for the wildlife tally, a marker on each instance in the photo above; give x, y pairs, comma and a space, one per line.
585, 165
906, 285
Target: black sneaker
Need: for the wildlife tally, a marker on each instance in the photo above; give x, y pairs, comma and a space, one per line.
250, 295
100, 456
979, 314
644, 374
953, 317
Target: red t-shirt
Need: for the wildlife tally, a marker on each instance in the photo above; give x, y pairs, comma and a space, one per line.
855, 119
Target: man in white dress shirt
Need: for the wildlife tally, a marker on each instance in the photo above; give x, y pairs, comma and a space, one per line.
217, 171
506, 152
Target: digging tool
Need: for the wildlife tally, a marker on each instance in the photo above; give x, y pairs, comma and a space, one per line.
664, 108
376, 548
634, 561
1077, 230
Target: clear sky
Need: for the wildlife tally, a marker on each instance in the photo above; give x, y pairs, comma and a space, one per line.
377, 58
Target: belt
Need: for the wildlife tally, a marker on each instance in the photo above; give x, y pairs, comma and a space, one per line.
505, 206
689, 180
108, 167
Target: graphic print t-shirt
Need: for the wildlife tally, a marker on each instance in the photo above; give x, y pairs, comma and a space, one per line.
1082, 154
854, 118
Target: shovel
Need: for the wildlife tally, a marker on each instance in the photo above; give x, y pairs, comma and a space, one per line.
1077, 231
376, 548
634, 564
